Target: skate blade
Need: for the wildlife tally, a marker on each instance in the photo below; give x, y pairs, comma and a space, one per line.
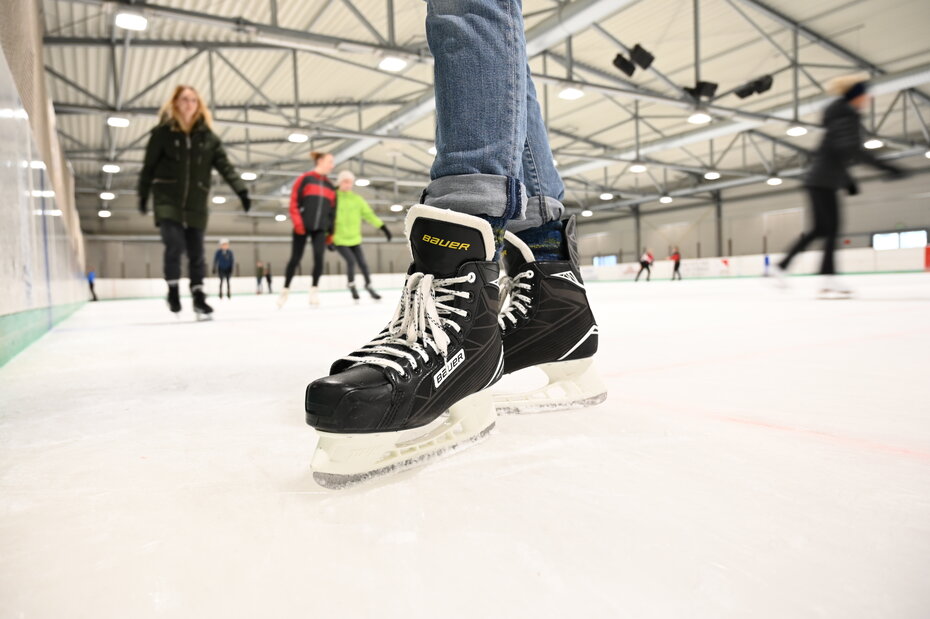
572, 385
345, 460
203, 317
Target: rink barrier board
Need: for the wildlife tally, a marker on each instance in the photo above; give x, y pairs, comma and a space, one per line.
20, 329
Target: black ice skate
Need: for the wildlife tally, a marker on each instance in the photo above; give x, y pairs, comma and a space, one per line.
546, 321
354, 292
201, 309
174, 299
417, 390
372, 292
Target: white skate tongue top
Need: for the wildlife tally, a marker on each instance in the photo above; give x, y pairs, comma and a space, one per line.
442, 240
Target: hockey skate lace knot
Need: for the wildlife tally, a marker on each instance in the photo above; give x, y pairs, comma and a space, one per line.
514, 299
418, 322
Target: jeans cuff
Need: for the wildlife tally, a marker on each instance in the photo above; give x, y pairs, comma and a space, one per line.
487, 195
540, 210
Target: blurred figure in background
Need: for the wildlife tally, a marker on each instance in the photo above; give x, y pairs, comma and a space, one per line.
267, 276
676, 272
259, 273
181, 151
223, 263
645, 264
313, 207
351, 209
841, 147
91, 276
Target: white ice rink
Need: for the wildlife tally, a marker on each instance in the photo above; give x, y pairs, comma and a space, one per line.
761, 455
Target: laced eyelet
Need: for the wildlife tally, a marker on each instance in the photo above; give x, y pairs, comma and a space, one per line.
472, 277
529, 274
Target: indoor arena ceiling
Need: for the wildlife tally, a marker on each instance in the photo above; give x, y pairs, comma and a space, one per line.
271, 68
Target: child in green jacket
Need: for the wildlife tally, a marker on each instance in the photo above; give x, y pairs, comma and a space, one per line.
351, 209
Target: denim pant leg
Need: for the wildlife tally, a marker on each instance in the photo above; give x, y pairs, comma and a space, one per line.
480, 79
544, 188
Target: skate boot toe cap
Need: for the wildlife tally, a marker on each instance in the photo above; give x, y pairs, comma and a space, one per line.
351, 401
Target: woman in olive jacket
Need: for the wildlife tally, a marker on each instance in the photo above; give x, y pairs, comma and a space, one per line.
181, 151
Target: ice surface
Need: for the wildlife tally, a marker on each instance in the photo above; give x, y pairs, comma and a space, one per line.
760, 455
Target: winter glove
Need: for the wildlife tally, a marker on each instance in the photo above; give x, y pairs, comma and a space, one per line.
386, 232
143, 206
852, 189
246, 202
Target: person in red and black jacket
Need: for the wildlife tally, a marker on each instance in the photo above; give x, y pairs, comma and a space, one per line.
313, 211
676, 257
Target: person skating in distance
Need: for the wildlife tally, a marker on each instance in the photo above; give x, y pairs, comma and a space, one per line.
840, 148
181, 151
419, 388
676, 271
351, 209
268, 276
224, 261
313, 207
259, 273
645, 264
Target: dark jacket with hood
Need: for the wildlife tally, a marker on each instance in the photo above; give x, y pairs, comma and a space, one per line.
840, 148
177, 169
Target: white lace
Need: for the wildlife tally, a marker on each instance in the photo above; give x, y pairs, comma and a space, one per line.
418, 322
514, 299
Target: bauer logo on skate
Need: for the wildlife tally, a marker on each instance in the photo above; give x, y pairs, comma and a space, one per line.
448, 368
435, 240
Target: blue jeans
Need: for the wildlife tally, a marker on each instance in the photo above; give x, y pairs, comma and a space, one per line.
493, 156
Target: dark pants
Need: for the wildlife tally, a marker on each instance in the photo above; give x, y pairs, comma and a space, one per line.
179, 239
643, 266
352, 255
676, 274
825, 206
92, 292
298, 243
267, 279
224, 276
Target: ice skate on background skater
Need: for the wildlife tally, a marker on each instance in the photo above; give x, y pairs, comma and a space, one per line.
418, 389
546, 322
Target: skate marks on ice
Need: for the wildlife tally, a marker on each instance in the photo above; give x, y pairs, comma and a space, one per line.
569, 385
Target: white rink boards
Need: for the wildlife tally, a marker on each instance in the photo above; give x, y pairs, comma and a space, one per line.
761, 454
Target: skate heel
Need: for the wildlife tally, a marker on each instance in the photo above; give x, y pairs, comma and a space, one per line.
343, 460
572, 384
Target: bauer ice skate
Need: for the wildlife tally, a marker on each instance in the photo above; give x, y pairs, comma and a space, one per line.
546, 321
201, 309
417, 390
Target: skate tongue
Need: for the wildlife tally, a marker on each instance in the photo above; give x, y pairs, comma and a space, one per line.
516, 254
442, 240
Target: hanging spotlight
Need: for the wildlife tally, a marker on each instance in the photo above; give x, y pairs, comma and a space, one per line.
641, 57
586, 213
219, 200
118, 121
107, 195
755, 86
110, 168
103, 213
570, 93
624, 65
774, 181
637, 168
280, 217
396, 208
131, 21
712, 175
699, 118
609, 196
362, 182
248, 176
873, 144
666, 199
796, 131
392, 63
702, 89
298, 138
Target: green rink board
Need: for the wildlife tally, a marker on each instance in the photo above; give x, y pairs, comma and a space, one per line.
19, 330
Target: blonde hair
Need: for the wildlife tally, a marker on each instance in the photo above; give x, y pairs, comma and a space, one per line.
169, 111
838, 86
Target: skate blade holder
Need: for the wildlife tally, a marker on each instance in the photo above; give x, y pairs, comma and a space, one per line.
571, 384
344, 460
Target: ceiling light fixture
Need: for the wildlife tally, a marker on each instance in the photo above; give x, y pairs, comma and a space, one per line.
586, 213
131, 21
396, 208
666, 199
609, 196
570, 93
362, 182
118, 121
298, 138
103, 213
110, 168
248, 176
637, 168
796, 131
699, 118
873, 144
392, 64
107, 195
712, 175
